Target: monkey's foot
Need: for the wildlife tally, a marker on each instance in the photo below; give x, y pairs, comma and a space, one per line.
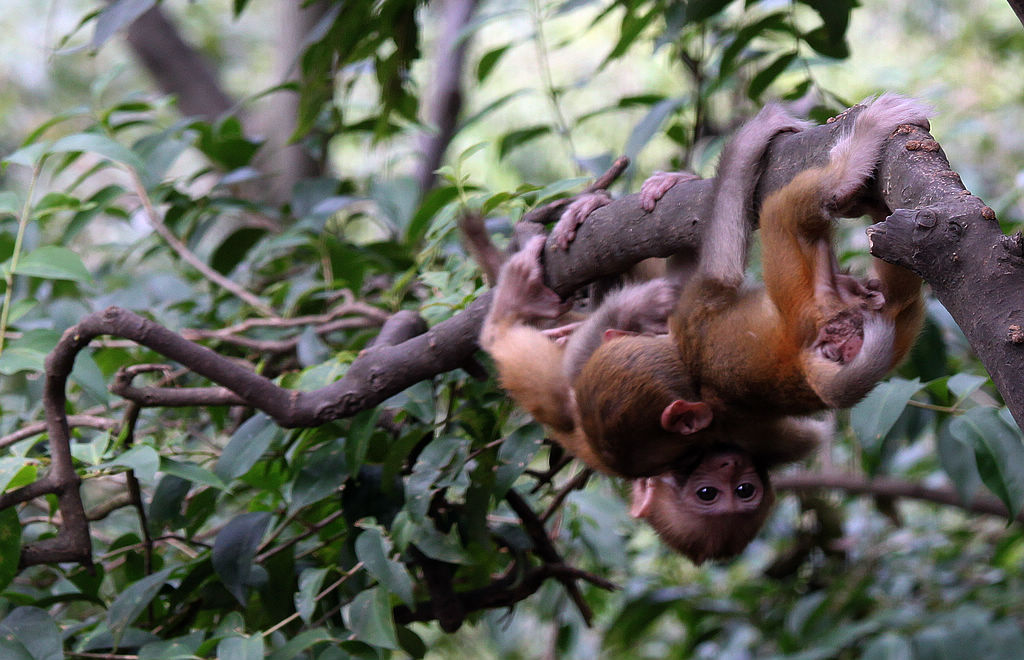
659, 183
574, 215
651, 306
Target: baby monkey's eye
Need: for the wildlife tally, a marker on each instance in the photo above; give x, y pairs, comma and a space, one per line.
707, 493
745, 490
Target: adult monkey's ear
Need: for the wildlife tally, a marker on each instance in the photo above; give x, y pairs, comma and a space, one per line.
686, 417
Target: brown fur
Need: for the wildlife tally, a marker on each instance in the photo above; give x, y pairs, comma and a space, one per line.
768, 350
620, 394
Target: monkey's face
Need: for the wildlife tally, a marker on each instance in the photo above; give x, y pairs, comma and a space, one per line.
710, 511
723, 482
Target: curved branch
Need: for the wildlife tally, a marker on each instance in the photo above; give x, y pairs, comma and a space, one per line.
890, 487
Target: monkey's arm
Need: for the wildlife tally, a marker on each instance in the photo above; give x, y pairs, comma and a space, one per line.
723, 253
529, 363
797, 252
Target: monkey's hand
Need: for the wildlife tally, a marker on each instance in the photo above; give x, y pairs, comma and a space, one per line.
867, 293
521, 292
560, 335
574, 215
659, 183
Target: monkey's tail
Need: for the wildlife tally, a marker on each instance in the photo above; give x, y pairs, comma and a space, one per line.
855, 155
724, 247
530, 370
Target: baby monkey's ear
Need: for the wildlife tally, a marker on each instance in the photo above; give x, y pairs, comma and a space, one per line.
686, 417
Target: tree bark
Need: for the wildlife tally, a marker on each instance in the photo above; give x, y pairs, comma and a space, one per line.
177, 67
444, 101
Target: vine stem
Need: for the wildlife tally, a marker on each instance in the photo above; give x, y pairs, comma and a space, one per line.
5, 312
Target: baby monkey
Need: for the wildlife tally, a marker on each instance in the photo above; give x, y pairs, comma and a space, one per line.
618, 397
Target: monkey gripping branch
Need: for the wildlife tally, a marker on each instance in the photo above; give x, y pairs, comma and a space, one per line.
939, 230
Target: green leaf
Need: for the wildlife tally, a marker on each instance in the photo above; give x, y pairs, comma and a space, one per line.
14, 650
958, 460
310, 581
10, 466
887, 646
772, 22
52, 262
434, 544
182, 648
100, 145
766, 76
241, 648
358, 440
964, 385
130, 603
435, 201
830, 38
10, 204
296, 645
10, 546
633, 24
235, 248
650, 125
488, 61
999, 451
518, 138
637, 616
372, 551
165, 507
35, 630
322, 473
701, 10
235, 549
142, 459
515, 454
86, 373
99, 202
369, 617
873, 417
246, 446
28, 352
191, 472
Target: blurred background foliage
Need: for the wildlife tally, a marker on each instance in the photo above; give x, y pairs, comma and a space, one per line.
310, 175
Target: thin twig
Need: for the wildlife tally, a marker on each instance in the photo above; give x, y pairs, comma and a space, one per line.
189, 257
